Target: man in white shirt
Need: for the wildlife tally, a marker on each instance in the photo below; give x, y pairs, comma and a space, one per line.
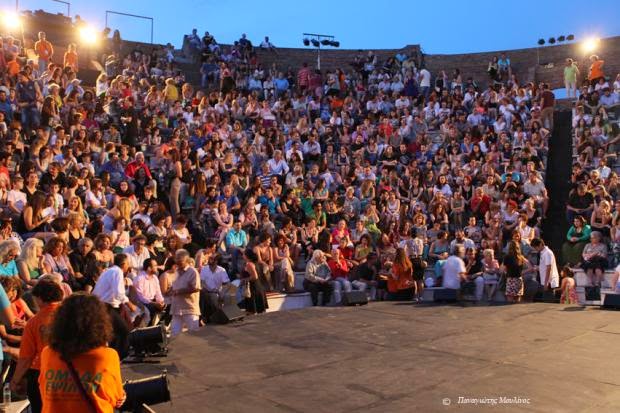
425, 82
137, 253
547, 268
214, 281
277, 165
148, 290
454, 270
110, 288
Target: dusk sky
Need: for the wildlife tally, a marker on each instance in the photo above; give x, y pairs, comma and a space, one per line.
440, 27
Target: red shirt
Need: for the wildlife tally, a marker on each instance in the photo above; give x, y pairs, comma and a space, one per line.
133, 166
303, 76
484, 202
338, 268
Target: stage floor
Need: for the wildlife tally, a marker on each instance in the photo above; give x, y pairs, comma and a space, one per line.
397, 357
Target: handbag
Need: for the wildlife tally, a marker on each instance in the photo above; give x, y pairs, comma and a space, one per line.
78, 383
245, 290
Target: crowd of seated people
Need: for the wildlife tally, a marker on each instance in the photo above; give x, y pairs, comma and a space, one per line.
593, 207
157, 195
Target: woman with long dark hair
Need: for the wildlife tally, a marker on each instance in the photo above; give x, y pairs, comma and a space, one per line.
400, 281
256, 303
514, 265
82, 374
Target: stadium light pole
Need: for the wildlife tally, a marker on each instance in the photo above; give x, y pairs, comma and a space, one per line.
317, 40
66, 3
107, 12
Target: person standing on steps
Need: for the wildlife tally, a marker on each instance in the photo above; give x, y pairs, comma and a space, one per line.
547, 106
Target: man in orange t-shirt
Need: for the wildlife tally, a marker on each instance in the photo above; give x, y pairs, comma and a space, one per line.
44, 50
596, 70
48, 296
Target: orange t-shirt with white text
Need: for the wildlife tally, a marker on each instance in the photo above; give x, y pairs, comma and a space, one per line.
100, 373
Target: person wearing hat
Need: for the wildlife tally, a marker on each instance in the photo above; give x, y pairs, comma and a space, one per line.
571, 71
74, 85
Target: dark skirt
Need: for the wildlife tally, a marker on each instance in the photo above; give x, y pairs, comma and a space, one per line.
596, 263
257, 303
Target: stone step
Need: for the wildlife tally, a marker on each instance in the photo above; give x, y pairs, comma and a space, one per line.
582, 279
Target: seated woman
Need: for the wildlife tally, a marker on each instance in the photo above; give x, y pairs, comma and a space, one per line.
9, 251
595, 258
400, 284
55, 258
283, 265
12, 287
490, 272
30, 263
577, 237
440, 248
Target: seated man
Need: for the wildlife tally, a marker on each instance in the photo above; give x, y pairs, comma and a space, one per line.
339, 268
148, 290
317, 278
454, 270
215, 283
364, 276
137, 253
236, 241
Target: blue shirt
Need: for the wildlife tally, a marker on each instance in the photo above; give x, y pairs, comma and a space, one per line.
9, 269
236, 239
281, 84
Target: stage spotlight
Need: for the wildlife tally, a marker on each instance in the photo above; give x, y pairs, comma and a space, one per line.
561, 38
88, 35
306, 42
326, 42
590, 44
10, 20
570, 37
551, 40
541, 42
149, 391
148, 341
335, 43
315, 43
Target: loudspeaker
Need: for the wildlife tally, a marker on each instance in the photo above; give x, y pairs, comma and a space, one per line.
354, 298
612, 302
447, 295
593, 293
226, 314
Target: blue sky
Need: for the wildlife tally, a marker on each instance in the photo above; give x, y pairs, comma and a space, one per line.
440, 27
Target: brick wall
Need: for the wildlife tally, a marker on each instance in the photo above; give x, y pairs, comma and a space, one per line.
524, 61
